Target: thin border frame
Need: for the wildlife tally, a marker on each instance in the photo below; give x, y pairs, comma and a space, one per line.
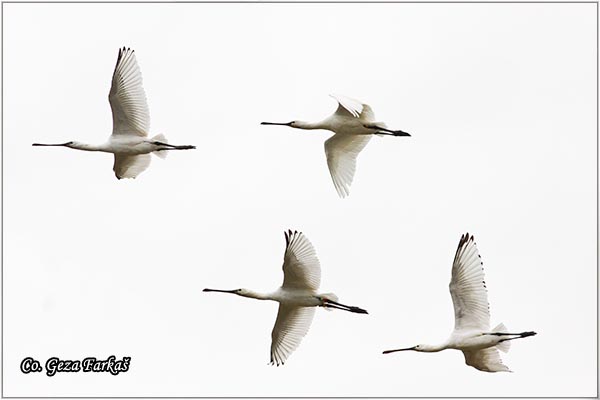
290, 2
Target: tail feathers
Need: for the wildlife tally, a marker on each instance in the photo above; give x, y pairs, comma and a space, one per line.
329, 296
500, 328
160, 138
505, 345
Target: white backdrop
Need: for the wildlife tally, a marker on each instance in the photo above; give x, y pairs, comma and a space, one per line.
500, 100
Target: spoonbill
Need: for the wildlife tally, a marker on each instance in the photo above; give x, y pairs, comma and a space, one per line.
297, 296
353, 124
131, 122
472, 334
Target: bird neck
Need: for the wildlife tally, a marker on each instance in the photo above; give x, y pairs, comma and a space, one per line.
310, 125
88, 147
256, 295
432, 348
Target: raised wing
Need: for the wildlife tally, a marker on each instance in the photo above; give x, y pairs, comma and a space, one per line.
127, 98
341, 151
487, 359
130, 166
301, 268
291, 326
348, 107
467, 287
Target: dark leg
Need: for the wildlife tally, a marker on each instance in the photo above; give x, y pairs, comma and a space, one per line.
333, 304
385, 131
514, 335
522, 334
173, 147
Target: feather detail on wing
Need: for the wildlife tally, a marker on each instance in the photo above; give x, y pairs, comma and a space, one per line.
301, 268
291, 326
130, 166
342, 151
487, 359
127, 98
348, 107
467, 287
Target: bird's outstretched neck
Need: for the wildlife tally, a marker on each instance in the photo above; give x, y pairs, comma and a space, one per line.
310, 125
425, 348
300, 124
77, 146
244, 293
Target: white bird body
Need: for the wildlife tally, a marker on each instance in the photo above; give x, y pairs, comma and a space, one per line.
339, 124
353, 124
129, 141
297, 297
472, 340
124, 145
472, 334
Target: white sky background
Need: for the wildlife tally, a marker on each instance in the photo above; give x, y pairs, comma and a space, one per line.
500, 100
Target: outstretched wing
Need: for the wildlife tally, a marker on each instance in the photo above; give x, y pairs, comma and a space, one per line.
291, 326
301, 268
130, 166
487, 359
348, 107
467, 287
127, 98
341, 151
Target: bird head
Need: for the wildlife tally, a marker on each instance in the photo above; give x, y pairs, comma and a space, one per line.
67, 144
418, 347
239, 292
292, 123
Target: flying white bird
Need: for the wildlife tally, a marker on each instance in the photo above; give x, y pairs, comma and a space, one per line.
131, 121
472, 334
297, 297
353, 124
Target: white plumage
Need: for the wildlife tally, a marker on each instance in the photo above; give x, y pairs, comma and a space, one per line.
297, 297
472, 334
127, 97
131, 122
353, 123
467, 288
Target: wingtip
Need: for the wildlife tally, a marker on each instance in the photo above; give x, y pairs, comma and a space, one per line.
466, 237
289, 235
275, 363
